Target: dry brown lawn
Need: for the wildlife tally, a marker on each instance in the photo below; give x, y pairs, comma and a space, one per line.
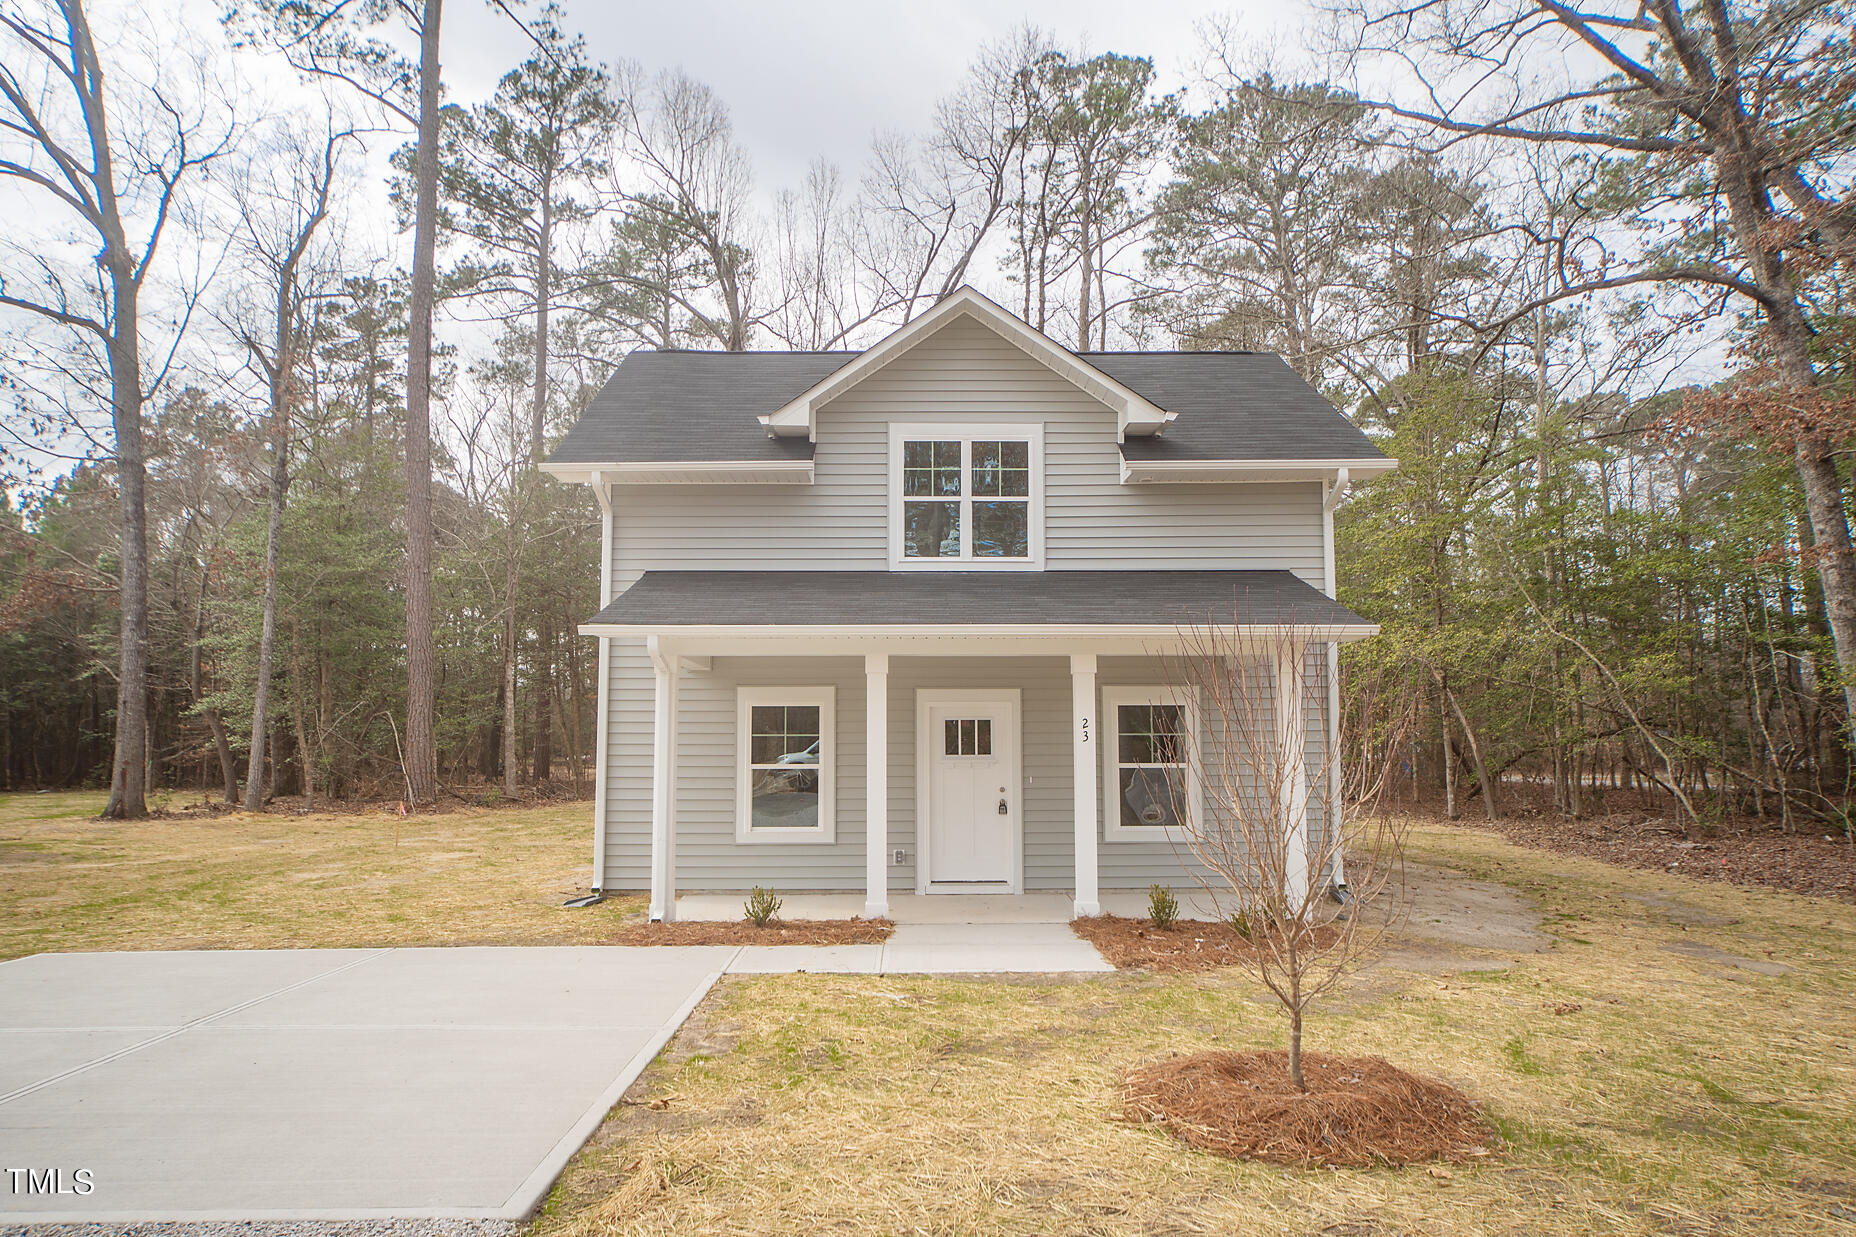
1662, 1056
69, 881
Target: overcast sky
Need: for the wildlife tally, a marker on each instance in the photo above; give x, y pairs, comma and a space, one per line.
819, 77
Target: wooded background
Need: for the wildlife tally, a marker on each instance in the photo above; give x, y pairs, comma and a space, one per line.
253, 504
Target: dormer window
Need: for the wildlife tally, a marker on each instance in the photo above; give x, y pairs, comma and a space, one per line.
966, 497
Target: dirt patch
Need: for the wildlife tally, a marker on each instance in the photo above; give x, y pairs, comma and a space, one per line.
1708, 953
1357, 1111
1448, 908
745, 932
1189, 945
1743, 851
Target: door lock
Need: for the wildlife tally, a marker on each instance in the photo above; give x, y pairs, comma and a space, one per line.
1003, 811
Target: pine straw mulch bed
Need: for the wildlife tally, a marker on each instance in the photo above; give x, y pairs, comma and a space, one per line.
1743, 851
1189, 945
1358, 1112
746, 932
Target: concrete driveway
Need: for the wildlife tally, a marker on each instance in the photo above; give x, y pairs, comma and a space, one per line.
319, 1083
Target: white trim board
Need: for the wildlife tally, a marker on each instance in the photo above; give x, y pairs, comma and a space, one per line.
925, 699
1134, 413
686, 472
1150, 472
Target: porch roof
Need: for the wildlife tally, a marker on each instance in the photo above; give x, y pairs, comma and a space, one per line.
1028, 602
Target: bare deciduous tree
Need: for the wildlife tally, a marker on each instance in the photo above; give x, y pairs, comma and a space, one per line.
1727, 120
694, 186
59, 149
281, 207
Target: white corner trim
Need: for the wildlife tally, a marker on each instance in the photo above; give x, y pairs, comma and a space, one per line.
826, 831
686, 472
1032, 432
1149, 472
1134, 413
1110, 727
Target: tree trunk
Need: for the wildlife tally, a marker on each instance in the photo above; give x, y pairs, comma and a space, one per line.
228, 769
421, 650
1475, 756
267, 630
509, 688
544, 641
1449, 755
305, 750
129, 767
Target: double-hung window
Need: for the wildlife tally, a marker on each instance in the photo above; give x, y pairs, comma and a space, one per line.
1150, 788
785, 764
969, 496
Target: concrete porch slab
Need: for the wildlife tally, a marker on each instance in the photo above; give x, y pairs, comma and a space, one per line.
948, 908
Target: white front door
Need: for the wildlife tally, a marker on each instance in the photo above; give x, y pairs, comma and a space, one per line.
970, 741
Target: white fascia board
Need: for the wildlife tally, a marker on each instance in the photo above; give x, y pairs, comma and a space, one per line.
687, 472
964, 639
1152, 472
1134, 413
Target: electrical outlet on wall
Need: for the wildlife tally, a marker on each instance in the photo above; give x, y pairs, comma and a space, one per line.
901, 857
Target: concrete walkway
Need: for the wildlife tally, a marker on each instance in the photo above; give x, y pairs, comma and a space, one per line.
934, 949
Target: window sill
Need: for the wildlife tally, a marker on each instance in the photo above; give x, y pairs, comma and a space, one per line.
786, 837
966, 564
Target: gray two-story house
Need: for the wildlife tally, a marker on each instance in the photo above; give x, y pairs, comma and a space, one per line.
895, 620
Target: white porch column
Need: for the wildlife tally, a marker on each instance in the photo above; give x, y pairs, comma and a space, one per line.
663, 786
1086, 743
876, 786
1292, 744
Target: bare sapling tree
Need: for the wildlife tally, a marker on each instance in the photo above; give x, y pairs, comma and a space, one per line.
65, 161
282, 207
1247, 786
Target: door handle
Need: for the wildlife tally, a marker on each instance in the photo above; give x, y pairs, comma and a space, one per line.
1003, 810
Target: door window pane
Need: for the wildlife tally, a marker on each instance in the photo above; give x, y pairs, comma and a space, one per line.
967, 736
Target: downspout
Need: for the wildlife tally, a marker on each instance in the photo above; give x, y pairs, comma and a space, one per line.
1331, 497
602, 491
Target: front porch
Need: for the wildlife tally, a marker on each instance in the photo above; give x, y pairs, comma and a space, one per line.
953, 735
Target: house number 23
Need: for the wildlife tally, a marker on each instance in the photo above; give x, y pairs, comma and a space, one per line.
1085, 730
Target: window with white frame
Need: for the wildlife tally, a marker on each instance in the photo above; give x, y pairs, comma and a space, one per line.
968, 496
785, 764
1149, 787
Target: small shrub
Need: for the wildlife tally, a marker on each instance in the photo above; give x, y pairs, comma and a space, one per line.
761, 906
1162, 906
1240, 924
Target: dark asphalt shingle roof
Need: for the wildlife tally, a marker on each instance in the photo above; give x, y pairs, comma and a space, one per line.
1232, 406
681, 406
688, 406
882, 598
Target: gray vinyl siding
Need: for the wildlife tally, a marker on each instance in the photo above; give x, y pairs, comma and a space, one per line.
966, 374
963, 374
